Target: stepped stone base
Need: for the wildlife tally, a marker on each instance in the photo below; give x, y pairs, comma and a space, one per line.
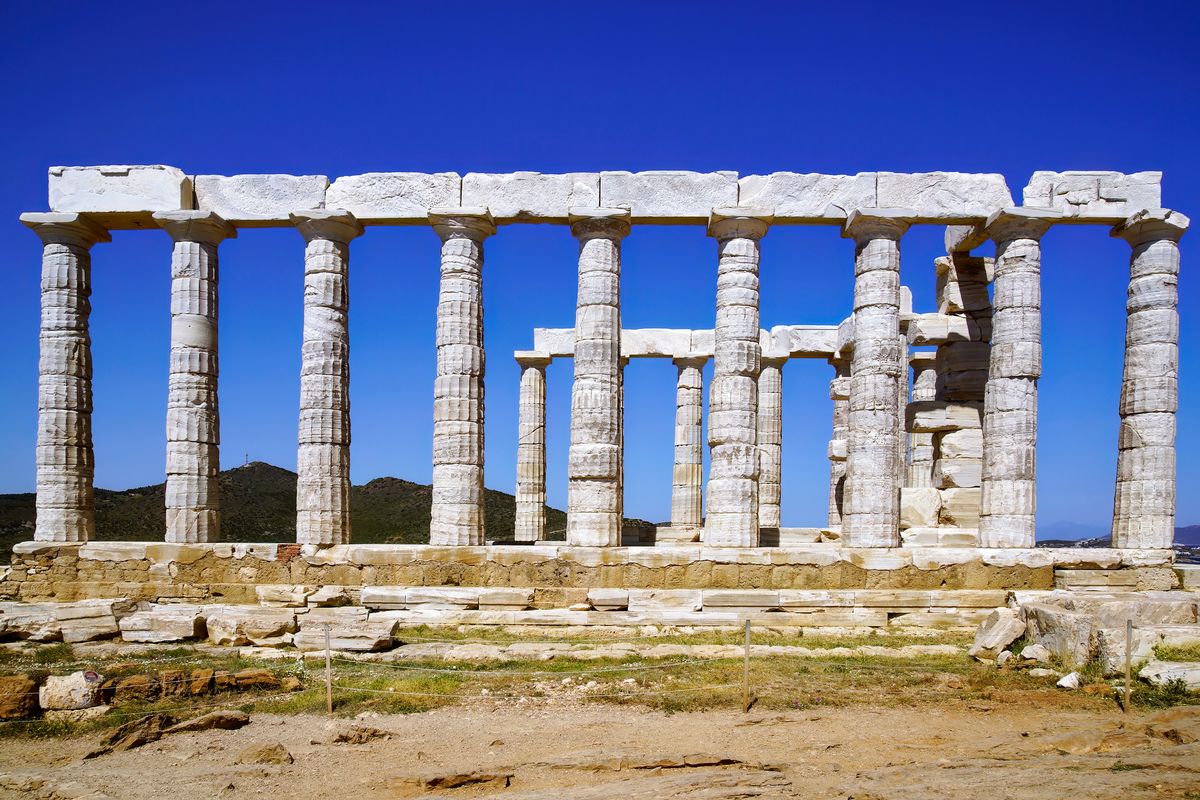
235, 573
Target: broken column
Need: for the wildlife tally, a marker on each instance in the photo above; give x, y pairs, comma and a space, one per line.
457, 516
732, 498
839, 393
870, 510
1009, 485
529, 523
323, 449
770, 441
1144, 502
594, 463
193, 420
687, 476
65, 461
920, 445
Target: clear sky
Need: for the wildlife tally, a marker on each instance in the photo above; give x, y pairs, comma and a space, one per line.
342, 88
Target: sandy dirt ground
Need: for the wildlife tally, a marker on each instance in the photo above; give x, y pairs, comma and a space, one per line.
606, 751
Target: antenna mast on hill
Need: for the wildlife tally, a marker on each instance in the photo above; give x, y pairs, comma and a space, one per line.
247, 460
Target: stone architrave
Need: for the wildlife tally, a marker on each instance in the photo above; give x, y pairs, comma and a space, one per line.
733, 496
920, 445
1008, 499
839, 393
529, 523
65, 461
193, 420
457, 514
687, 478
770, 442
870, 509
594, 463
1144, 502
323, 444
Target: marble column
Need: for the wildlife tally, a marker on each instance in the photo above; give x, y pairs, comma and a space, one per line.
839, 393
770, 441
732, 496
595, 460
687, 477
1144, 502
65, 503
920, 445
1009, 478
193, 420
457, 516
529, 524
871, 505
323, 442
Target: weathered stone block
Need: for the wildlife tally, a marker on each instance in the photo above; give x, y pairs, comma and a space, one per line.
120, 196
89, 620
1094, 196
949, 196
608, 599
652, 600
441, 597
30, 621
1001, 628
242, 625
384, 597
797, 197
164, 623
70, 692
721, 599
669, 196
394, 197
260, 200
350, 629
919, 507
531, 196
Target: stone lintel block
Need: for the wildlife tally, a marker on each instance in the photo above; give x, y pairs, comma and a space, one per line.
655, 343
964, 238
532, 358
260, 200
939, 329
808, 198
557, 342
531, 196
952, 197
120, 196
801, 341
845, 337
669, 197
932, 416
739, 598
395, 198
1094, 196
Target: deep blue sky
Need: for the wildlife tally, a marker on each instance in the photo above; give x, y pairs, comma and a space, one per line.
339, 89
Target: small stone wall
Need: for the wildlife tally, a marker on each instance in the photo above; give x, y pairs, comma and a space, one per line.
230, 573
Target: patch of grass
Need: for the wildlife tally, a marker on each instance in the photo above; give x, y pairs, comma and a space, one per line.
1190, 652
1172, 693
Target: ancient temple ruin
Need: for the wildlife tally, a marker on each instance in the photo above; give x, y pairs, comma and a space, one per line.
933, 413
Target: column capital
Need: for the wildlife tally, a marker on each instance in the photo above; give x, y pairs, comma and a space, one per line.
65, 228
532, 358
599, 223
474, 223
684, 362
331, 224
740, 223
1007, 224
922, 360
773, 361
1152, 224
865, 224
195, 226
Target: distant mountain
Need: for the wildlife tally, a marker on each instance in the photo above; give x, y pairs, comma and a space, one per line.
258, 504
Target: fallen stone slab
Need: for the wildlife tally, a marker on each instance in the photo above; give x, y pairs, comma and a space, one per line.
243, 625
1160, 673
214, 720
134, 733
1001, 628
90, 620
164, 623
283, 595
34, 622
350, 629
1069, 635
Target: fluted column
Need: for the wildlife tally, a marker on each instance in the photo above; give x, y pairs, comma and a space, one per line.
193, 419
66, 509
770, 442
323, 442
732, 497
1144, 502
457, 516
595, 460
529, 523
870, 508
839, 393
920, 445
1009, 484
687, 476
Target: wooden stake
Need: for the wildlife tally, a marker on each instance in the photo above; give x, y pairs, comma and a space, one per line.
1128, 663
746, 672
328, 674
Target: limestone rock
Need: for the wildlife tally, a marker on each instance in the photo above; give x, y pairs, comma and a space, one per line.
18, 697
70, 692
1036, 652
1161, 673
1001, 628
243, 625
89, 620
164, 623
1068, 634
394, 197
252, 200
214, 720
531, 196
1071, 680
35, 622
355, 630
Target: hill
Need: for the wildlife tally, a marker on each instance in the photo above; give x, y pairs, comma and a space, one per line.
258, 503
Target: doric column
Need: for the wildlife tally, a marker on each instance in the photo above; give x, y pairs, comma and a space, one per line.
529, 524
770, 441
65, 462
1144, 503
732, 496
595, 460
457, 516
323, 444
870, 509
687, 477
1009, 490
193, 421
920, 445
839, 393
